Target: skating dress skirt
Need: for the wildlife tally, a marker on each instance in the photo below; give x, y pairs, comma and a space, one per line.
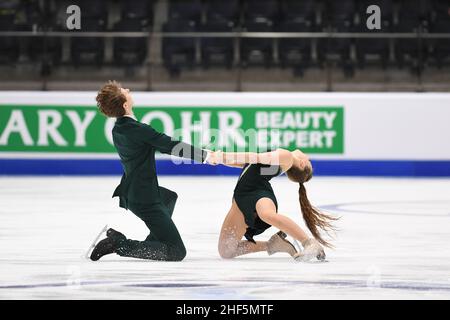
253, 184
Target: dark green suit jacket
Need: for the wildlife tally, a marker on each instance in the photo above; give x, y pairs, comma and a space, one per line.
136, 144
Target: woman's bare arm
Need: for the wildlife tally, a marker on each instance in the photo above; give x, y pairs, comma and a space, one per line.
267, 212
280, 157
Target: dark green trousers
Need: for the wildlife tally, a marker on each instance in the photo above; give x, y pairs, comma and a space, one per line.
164, 241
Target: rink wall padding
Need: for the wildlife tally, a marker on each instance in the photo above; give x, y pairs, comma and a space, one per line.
167, 167
345, 134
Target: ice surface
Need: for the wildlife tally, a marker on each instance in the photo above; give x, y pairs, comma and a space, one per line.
393, 242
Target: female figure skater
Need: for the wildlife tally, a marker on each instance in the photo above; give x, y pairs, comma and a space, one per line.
254, 206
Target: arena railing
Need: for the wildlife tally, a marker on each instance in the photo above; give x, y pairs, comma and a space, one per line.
236, 35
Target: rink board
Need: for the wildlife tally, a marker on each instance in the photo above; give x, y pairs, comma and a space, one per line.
374, 168
350, 134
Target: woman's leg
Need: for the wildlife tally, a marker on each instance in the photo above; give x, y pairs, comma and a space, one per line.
233, 229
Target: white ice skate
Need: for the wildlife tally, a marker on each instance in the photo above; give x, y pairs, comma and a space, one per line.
278, 243
311, 249
94, 243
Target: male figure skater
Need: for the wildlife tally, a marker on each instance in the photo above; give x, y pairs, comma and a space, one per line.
139, 191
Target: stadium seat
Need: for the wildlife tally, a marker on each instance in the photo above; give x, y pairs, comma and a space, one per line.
408, 51
412, 53
186, 10
33, 15
219, 11
217, 51
129, 51
441, 9
88, 50
340, 13
9, 46
441, 47
9, 7
339, 50
178, 53
257, 51
374, 49
295, 52
417, 11
138, 10
94, 18
299, 10
47, 50
441, 24
93, 10
339, 17
262, 11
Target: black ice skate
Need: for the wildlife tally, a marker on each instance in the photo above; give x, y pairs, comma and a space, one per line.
104, 247
115, 235
87, 255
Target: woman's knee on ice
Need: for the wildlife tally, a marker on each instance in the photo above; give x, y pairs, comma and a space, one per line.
227, 248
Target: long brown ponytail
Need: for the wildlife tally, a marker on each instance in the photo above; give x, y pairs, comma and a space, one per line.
314, 219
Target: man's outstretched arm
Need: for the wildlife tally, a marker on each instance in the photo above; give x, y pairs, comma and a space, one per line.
165, 144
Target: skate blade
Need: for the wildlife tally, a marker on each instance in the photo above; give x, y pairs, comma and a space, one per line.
297, 246
309, 258
87, 255
304, 257
317, 261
